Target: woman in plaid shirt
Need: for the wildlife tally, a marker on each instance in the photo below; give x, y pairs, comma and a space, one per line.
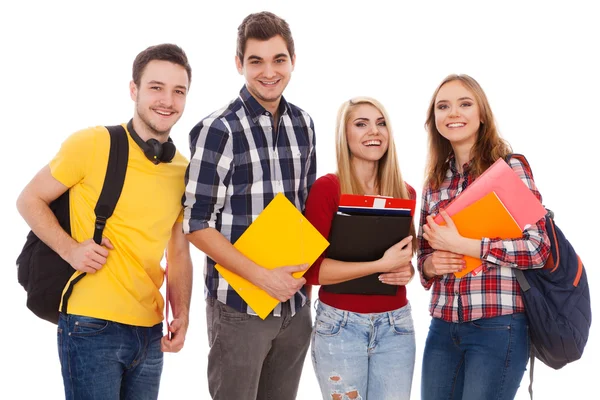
478, 346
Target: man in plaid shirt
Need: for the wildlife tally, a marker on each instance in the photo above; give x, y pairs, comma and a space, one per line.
241, 157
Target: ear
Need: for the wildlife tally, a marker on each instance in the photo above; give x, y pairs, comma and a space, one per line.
239, 65
133, 90
293, 61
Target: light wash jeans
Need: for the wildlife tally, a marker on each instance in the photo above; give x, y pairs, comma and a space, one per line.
483, 359
363, 356
105, 360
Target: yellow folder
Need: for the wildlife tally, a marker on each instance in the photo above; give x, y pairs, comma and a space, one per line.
279, 236
487, 217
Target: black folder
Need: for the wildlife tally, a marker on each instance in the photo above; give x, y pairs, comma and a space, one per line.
365, 238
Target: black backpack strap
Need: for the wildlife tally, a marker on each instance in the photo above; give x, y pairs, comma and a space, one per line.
522, 280
531, 364
113, 182
111, 191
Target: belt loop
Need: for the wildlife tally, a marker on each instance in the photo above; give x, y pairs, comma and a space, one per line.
391, 318
345, 318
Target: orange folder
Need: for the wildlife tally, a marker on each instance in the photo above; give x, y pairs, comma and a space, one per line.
487, 217
522, 204
279, 236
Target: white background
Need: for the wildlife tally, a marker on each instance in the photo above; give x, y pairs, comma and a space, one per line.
66, 66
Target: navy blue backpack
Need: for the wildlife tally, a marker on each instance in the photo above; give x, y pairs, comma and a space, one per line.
557, 300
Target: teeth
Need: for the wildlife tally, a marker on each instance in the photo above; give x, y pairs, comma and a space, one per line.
269, 83
456, 125
163, 113
372, 143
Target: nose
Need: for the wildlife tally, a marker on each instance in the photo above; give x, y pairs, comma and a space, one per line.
167, 98
455, 112
269, 71
375, 129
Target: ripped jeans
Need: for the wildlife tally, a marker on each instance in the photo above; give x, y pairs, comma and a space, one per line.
363, 356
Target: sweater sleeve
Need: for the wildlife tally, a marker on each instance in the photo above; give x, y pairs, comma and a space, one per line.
321, 206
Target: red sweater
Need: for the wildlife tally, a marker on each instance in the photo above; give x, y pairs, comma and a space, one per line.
321, 207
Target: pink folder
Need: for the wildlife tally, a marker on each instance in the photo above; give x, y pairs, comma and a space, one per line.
522, 204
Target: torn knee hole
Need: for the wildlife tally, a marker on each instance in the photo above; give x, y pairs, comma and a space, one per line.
335, 378
353, 394
336, 396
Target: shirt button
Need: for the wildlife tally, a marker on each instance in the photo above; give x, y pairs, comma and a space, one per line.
456, 292
267, 113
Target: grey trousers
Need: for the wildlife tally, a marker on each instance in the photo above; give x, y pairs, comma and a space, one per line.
255, 359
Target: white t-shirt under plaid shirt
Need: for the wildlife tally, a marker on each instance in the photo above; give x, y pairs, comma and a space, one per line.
237, 166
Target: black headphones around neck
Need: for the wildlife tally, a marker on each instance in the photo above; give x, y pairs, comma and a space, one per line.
154, 150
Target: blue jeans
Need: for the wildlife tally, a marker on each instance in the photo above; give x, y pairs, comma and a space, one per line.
482, 359
106, 360
363, 356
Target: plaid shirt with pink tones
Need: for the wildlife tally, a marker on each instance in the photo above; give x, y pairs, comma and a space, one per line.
494, 291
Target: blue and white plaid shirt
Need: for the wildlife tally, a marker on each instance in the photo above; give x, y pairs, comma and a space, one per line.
237, 166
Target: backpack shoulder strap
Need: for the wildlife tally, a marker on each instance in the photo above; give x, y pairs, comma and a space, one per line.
114, 179
118, 157
521, 158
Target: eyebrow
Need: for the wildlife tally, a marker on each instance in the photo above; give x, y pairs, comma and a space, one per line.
280, 55
460, 99
163, 84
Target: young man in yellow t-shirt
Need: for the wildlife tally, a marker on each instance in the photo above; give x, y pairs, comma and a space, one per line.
110, 340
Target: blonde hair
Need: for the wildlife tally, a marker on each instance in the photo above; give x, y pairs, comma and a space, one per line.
389, 177
488, 147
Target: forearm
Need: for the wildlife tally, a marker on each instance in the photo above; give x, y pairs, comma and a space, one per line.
334, 271
212, 243
42, 221
468, 247
180, 281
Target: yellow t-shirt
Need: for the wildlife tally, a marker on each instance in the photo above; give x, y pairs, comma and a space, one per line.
126, 288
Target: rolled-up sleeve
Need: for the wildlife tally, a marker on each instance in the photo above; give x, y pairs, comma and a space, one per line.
208, 174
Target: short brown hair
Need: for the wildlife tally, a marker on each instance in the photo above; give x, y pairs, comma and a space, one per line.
163, 52
263, 26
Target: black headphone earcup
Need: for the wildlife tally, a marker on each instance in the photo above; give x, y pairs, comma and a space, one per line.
168, 152
153, 150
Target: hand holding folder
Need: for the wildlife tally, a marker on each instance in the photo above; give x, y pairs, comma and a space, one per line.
487, 217
361, 234
505, 214
280, 236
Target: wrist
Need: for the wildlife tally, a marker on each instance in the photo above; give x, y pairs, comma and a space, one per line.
378, 266
426, 268
258, 276
66, 248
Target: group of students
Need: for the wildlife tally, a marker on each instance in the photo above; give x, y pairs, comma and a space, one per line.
111, 341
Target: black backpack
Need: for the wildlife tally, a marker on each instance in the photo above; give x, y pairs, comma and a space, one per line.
41, 271
557, 300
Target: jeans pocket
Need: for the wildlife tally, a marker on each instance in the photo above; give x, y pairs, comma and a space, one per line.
230, 314
501, 323
403, 324
325, 326
87, 326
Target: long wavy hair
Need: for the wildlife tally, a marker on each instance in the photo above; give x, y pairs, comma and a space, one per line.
488, 147
389, 177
